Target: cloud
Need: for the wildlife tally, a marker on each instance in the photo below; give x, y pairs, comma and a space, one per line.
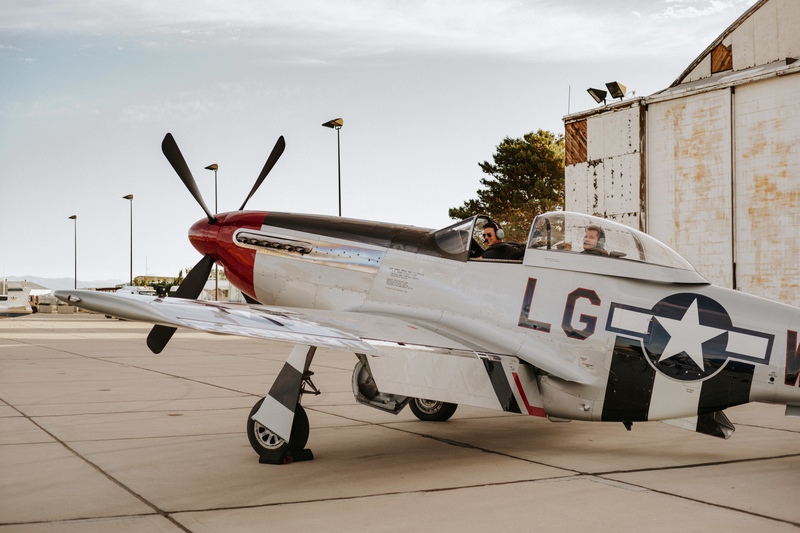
707, 8
157, 111
9, 47
223, 97
543, 30
51, 106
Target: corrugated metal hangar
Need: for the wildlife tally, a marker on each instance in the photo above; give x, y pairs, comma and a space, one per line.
710, 165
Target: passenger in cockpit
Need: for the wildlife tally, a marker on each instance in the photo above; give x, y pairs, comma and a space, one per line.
594, 240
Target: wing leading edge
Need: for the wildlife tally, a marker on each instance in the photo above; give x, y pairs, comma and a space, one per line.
363, 333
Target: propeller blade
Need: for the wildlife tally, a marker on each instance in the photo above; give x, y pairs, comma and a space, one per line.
175, 158
271, 160
159, 337
191, 288
195, 280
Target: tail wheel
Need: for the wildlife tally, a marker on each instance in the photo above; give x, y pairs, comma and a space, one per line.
265, 441
431, 410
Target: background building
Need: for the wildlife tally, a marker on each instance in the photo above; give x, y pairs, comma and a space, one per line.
710, 165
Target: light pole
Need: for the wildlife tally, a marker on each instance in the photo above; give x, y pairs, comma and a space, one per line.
337, 124
75, 218
130, 197
215, 167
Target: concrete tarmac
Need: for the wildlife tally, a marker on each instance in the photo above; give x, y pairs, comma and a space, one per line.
98, 434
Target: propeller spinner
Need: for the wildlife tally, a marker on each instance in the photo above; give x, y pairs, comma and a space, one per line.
194, 282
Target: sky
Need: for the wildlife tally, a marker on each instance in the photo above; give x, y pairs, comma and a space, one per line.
427, 90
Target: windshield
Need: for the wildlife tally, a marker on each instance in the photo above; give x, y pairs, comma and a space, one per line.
577, 233
465, 237
455, 239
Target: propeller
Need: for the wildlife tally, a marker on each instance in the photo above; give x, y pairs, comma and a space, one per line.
193, 284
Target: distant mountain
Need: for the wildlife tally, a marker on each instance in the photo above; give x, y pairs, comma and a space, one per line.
55, 284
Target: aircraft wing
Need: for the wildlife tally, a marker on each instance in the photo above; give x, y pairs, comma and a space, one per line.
364, 333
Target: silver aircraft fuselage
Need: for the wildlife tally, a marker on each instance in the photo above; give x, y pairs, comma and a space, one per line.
635, 341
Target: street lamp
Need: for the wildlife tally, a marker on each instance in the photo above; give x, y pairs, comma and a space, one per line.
337, 124
215, 167
130, 197
75, 218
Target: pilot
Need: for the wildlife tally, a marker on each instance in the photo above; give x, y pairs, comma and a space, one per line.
493, 236
594, 240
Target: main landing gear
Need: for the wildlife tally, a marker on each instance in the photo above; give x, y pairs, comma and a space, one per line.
366, 392
277, 426
267, 443
431, 410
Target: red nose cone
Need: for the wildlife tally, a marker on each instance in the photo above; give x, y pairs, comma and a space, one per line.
203, 236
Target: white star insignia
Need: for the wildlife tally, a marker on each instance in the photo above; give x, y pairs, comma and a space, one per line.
687, 335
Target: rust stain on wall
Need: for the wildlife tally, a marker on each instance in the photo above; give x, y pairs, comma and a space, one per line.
769, 243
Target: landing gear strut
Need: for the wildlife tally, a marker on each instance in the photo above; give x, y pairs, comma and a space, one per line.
277, 426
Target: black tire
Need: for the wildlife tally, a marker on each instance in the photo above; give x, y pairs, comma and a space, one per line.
432, 411
264, 441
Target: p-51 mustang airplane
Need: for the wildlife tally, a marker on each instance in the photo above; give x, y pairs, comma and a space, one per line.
596, 322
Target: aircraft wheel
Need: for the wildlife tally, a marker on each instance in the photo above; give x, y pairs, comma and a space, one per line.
265, 441
431, 410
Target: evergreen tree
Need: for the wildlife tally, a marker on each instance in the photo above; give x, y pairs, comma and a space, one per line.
527, 179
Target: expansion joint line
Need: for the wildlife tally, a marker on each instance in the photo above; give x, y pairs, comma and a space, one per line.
711, 504
478, 448
108, 476
600, 476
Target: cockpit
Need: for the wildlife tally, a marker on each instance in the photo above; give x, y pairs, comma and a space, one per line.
576, 242
469, 234
577, 233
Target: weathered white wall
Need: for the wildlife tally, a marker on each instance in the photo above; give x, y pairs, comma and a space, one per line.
702, 70
689, 180
608, 184
767, 148
769, 34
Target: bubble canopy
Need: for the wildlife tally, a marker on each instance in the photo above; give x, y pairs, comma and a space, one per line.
604, 244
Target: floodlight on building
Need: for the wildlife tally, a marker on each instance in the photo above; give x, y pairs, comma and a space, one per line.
616, 89
599, 95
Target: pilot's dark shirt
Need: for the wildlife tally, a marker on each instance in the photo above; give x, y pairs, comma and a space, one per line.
502, 250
